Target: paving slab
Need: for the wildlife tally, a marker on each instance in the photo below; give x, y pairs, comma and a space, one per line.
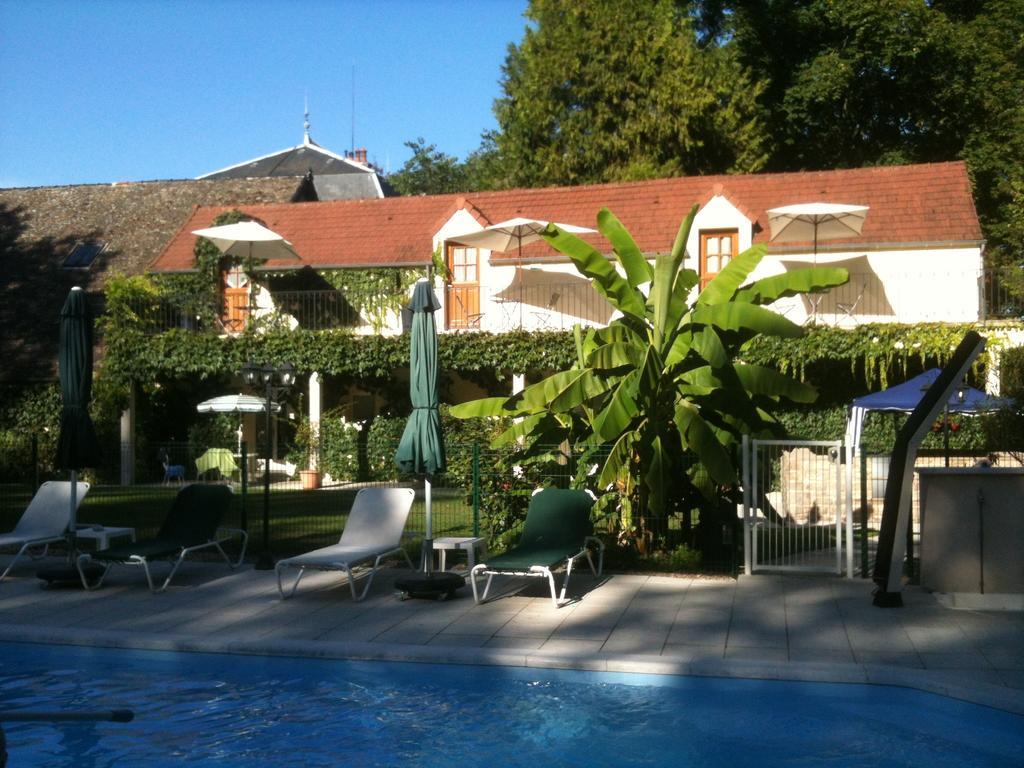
768, 627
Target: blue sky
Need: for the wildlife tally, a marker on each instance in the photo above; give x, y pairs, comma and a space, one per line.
128, 90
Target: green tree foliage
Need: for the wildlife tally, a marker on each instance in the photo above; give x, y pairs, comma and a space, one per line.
853, 83
664, 382
606, 90
429, 172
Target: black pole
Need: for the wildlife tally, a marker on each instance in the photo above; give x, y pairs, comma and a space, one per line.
265, 561
864, 516
981, 541
945, 433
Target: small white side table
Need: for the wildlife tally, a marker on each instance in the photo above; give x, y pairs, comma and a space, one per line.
102, 534
469, 543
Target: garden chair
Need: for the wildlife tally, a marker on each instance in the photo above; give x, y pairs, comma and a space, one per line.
44, 522
373, 531
558, 529
192, 525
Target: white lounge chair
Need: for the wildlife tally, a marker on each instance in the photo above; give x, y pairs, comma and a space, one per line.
44, 522
372, 532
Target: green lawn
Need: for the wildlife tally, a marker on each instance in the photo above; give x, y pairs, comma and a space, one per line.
299, 520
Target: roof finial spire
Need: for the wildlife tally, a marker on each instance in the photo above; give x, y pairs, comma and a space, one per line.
305, 123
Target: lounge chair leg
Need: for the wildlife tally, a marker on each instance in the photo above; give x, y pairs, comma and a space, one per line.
352, 583
600, 555
551, 581
568, 574
472, 581
16, 558
295, 586
409, 560
81, 561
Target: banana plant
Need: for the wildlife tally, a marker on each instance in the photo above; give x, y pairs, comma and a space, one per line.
665, 381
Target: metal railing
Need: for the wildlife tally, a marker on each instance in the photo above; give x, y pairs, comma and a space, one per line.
559, 302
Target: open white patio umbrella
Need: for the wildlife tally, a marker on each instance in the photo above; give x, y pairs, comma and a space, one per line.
236, 404
514, 233
815, 221
249, 239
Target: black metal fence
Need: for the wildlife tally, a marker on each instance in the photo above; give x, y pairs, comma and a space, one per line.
485, 493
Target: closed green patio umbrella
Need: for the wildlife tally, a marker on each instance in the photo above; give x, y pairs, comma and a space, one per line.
421, 449
77, 446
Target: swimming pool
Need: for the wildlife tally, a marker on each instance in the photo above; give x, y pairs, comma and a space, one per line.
222, 710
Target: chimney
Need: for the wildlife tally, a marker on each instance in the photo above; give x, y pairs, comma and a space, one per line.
360, 155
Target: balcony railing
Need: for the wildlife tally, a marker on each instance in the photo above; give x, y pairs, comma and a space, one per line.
558, 302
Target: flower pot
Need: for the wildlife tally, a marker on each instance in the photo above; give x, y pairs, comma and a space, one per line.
310, 479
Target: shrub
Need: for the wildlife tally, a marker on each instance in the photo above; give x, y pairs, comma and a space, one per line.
1011, 373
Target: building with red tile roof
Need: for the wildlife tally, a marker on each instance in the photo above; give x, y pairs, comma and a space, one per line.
921, 225
910, 206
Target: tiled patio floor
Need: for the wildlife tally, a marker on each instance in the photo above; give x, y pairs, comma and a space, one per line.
801, 628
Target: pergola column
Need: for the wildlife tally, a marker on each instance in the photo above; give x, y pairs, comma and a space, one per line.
314, 418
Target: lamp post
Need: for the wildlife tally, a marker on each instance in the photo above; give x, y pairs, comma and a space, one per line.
276, 379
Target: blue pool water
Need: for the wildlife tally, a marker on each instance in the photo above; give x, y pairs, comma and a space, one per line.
221, 710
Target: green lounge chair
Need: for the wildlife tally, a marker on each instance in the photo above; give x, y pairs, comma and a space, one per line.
44, 522
557, 528
193, 524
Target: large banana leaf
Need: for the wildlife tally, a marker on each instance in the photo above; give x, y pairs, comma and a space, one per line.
615, 355
619, 460
620, 411
580, 391
723, 286
769, 289
487, 406
607, 280
765, 381
638, 271
740, 316
656, 477
704, 341
698, 437
686, 279
537, 397
662, 296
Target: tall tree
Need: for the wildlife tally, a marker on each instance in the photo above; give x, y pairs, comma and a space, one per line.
605, 90
865, 82
429, 172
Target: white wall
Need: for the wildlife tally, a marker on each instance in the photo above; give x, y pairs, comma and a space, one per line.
908, 286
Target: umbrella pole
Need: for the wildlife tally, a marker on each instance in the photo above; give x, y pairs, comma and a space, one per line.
428, 541
814, 262
520, 282
73, 517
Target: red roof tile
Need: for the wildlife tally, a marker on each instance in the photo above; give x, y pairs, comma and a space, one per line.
911, 204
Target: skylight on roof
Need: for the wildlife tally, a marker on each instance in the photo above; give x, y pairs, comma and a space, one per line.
84, 253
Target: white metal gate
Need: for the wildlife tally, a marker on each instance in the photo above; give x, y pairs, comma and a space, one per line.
796, 498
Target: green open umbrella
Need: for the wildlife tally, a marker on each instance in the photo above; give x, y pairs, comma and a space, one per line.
421, 449
77, 446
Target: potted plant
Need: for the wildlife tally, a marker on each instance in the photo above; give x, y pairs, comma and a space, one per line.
307, 444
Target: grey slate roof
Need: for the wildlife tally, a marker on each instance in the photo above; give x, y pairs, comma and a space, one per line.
336, 177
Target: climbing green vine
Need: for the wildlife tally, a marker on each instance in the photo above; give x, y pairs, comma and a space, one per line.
876, 351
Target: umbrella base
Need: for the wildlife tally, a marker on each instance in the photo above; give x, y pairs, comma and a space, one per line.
429, 586
67, 575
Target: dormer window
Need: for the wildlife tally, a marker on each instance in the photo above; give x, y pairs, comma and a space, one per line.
84, 253
717, 248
